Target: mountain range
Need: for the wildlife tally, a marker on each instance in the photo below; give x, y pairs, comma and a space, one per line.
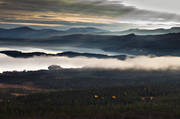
30, 33
27, 32
166, 44
132, 44
162, 44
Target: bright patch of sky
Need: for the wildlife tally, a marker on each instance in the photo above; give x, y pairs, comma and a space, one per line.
170, 6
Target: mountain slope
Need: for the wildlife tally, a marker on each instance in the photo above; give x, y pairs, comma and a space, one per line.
29, 33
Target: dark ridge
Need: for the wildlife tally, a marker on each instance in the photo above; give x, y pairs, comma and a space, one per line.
19, 54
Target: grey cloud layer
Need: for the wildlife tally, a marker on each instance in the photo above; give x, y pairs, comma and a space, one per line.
114, 11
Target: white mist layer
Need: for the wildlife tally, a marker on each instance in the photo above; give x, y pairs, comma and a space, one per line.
140, 62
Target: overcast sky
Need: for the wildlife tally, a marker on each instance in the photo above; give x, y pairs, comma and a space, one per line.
107, 14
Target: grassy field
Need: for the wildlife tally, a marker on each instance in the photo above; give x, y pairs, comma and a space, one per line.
90, 94
126, 102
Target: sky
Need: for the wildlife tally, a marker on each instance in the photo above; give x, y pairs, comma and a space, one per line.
106, 14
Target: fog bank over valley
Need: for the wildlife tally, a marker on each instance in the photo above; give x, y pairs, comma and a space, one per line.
42, 62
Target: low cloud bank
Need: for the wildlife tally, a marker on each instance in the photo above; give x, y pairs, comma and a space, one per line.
140, 62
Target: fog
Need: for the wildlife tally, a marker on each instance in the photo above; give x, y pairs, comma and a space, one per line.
141, 62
